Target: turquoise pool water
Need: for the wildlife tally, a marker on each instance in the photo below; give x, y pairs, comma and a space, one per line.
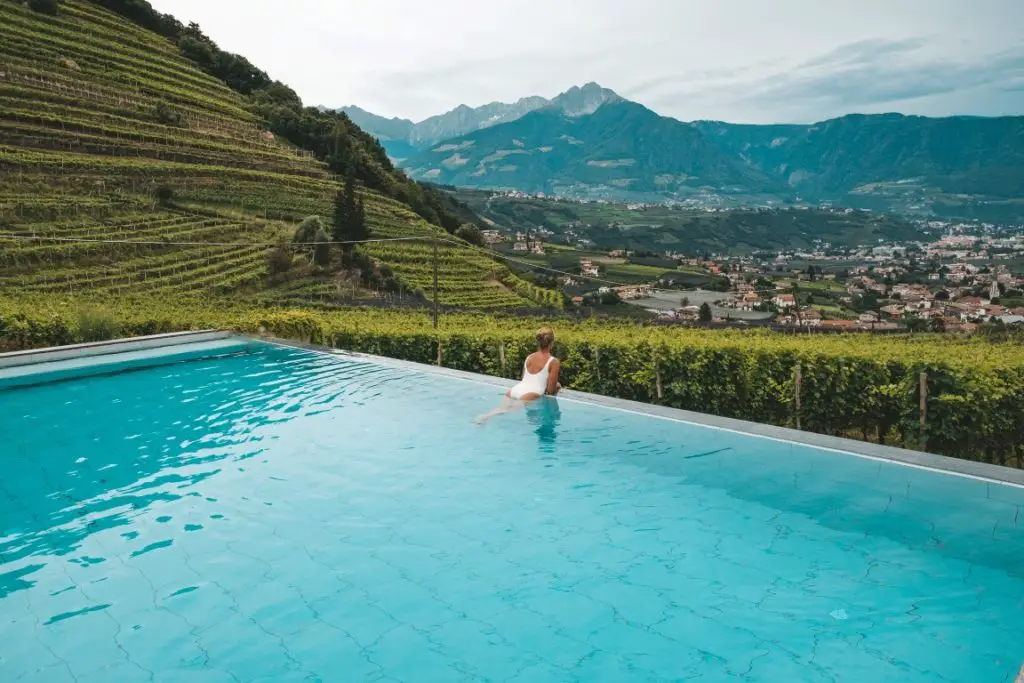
288, 516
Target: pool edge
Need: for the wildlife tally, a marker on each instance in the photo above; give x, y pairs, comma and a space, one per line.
50, 354
861, 449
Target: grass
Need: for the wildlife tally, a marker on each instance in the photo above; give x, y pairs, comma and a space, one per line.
82, 150
823, 286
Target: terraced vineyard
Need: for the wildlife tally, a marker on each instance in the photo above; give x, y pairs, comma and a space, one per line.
98, 116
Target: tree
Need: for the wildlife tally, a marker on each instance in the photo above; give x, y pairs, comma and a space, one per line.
348, 223
868, 301
164, 194
341, 158
339, 219
345, 211
704, 315
942, 295
610, 298
915, 324
279, 260
471, 234
44, 7
937, 325
684, 302
359, 229
314, 238
719, 284
168, 116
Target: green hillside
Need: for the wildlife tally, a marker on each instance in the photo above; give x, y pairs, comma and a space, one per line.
158, 178
661, 228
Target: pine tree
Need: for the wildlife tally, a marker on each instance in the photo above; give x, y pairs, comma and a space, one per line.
339, 222
704, 314
350, 197
359, 228
346, 214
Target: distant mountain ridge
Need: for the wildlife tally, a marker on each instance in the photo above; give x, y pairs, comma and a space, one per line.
401, 137
621, 147
959, 154
589, 142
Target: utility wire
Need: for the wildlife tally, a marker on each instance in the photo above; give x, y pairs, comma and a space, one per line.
202, 244
254, 245
562, 272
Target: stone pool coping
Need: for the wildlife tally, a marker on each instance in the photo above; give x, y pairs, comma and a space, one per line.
862, 449
57, 353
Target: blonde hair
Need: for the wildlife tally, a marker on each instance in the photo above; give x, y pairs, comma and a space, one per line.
545, 338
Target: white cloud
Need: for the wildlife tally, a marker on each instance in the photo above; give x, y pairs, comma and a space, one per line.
738, 60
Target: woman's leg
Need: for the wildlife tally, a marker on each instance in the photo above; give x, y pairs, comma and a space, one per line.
507, 406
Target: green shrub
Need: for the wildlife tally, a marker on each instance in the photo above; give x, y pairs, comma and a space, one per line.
96, 324
164, 194
167, 115
279, 260
471, 234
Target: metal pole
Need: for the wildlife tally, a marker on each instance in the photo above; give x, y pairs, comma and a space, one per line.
435, 281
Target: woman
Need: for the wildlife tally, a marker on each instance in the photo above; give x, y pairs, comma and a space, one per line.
540, 377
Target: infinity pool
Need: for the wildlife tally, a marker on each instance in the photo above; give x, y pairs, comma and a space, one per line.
284, 515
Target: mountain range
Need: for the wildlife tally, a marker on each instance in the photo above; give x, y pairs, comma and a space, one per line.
589, 142
402, 137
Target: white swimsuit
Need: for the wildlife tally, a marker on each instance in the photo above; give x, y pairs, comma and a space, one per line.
532, 383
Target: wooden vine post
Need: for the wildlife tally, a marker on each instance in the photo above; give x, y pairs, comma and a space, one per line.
798, 380
435, 288
923, 384
657, 378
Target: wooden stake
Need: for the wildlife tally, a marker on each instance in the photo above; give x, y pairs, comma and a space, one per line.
501, 357
923, 383
435, 286
798, 380
657, 379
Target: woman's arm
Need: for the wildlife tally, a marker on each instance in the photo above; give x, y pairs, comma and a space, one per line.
553, 385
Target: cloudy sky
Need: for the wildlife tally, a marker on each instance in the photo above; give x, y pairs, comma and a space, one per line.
751, 61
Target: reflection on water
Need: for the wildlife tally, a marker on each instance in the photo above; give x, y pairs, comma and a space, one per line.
544, 414
82, 457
